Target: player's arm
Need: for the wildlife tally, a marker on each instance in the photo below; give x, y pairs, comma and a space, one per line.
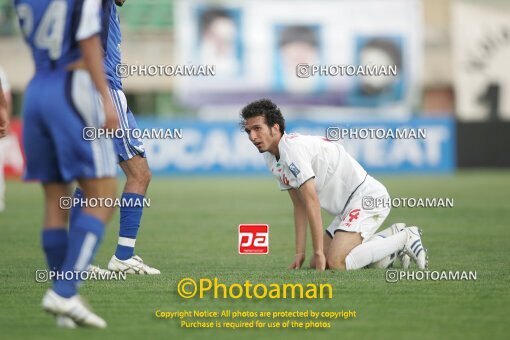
92, 54
4, 114
87, 35
300, 224
313, 212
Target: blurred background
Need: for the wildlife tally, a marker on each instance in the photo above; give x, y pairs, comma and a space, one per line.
453, 78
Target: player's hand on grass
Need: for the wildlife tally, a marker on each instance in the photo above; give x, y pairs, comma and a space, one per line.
320, 261
4, 122
111, 121
298, 261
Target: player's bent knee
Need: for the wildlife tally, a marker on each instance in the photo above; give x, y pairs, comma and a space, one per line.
142, 178
335, 262
141, 175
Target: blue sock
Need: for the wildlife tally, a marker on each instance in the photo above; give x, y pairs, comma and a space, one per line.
84, 237
130, 216
54, 243
75, 209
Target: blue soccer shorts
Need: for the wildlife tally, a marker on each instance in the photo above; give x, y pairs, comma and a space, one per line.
58, 105
127, 146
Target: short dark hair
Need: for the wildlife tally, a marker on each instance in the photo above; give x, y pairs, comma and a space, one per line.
389, 47
209, 16
265, 108
298, 33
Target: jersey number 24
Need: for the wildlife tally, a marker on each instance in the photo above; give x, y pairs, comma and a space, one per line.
50, 33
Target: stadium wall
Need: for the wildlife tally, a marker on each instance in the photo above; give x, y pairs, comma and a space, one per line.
222, 148
483, 144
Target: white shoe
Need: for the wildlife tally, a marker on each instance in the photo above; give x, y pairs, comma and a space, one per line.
414, 247
73, 307
95, 269
133, 265
404, 259
65, 322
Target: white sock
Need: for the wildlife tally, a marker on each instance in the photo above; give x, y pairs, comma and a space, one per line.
375, 250
384, 233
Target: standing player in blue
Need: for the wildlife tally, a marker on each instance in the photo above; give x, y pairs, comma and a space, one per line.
67, 93
130, 152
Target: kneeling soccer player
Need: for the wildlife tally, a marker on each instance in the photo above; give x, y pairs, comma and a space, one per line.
319, 173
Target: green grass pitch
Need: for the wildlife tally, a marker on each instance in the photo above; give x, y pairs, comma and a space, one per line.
190, 230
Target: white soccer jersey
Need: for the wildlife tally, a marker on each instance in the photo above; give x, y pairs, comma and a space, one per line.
337, 174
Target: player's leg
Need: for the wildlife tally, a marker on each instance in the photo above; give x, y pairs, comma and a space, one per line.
76, 208
347, 252
42, 165
388, 261
93, 164
83, 241
350, 249
328, 235
55, 236
137, 180
342, 244
345, 244
370, 252
418, 253
87, 231
54, 233
133, 163
413, 249
391, 230
138, 176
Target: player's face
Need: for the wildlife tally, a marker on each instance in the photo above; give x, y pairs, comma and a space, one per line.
264, 138
120, 2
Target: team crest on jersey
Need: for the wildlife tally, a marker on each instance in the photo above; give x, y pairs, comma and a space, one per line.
294, 169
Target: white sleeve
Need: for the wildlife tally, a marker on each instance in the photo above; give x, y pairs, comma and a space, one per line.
90, 21
299, 161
